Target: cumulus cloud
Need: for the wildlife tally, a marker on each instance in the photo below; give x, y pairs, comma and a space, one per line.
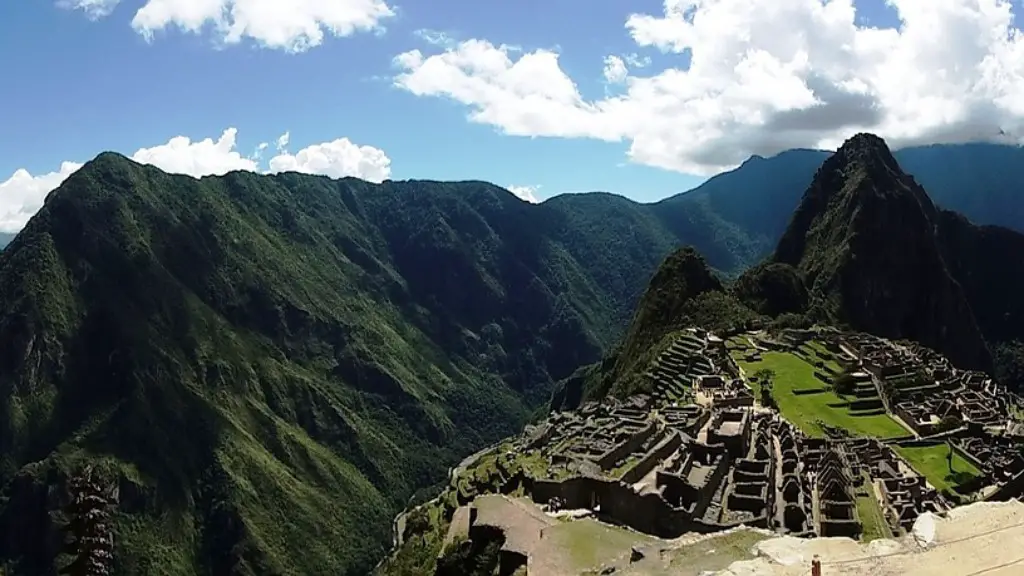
290, 26
336, 159
756, 77
93, 9
526, 193
22, 194
180, 155
615, 70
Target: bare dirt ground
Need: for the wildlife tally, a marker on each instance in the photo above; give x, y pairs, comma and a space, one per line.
980, 539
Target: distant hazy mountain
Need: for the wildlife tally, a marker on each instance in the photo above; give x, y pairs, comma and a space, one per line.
5, 239
753, 203
984, 182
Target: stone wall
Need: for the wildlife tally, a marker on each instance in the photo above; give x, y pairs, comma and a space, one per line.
619, 503
608, 460
657, 454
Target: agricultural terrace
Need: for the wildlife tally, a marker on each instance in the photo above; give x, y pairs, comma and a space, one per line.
805, 400
933, 463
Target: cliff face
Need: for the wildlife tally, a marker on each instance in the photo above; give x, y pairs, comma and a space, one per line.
866, 239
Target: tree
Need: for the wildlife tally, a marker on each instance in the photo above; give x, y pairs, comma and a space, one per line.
844, 384
90, 539
766, 379
948, 423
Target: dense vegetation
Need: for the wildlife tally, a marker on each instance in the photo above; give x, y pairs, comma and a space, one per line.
236, 350
683, 292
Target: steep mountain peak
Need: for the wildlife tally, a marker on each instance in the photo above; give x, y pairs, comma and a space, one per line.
860, 189
864, 142
864, 237
682, 293
682, 276
868, 166
110, 156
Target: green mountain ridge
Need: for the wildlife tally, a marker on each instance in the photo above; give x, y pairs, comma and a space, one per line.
268, 367
865, 249
737, 217
684, 292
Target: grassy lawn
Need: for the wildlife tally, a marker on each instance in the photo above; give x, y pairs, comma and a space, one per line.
587, 543
870, 513
793, 373
930, 462
713, 554
628, 463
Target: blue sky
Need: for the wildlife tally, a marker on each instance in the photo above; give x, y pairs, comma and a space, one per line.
79, 83
89, 86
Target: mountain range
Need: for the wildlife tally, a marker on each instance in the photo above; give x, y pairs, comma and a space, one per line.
983, 182
736, 217
866, 249
268, 368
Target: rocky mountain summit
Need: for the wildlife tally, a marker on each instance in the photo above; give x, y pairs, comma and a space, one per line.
865, 238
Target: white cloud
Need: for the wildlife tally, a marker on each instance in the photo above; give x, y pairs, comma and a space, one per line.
22, 194
526, 193
637, 61
94, 9
434, 37
180, 155
615, 70
336, 159
757, 77
294, 26
282, 141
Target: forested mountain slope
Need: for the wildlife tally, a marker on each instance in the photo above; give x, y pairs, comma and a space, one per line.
236, 350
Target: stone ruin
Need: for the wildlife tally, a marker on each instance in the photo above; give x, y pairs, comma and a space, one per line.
836, 506
689, 469
696, 455
674, 370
